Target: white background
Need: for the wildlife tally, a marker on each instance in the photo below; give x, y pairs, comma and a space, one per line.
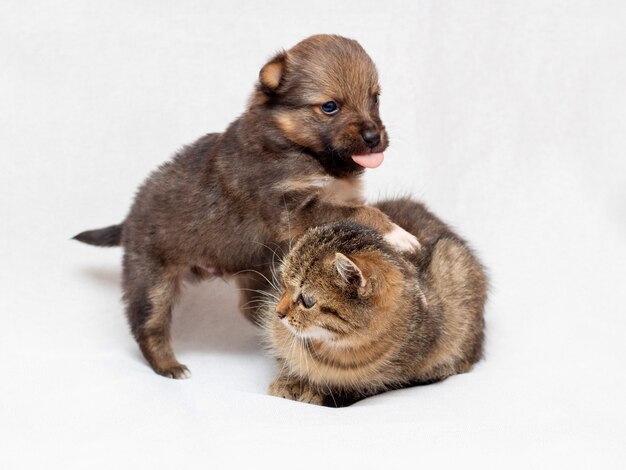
507, 118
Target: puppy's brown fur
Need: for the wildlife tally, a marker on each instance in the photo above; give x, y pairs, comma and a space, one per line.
280, 168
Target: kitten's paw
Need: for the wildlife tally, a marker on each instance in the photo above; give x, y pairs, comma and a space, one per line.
293, 389
175, 371
402, 240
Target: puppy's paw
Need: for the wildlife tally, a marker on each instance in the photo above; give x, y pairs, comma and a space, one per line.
402, 240
294, 389
175, 371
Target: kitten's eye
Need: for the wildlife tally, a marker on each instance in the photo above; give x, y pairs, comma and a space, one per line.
330, 107
306, 301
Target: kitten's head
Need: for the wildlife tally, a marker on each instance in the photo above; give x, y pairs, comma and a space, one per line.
336, 280
322, 95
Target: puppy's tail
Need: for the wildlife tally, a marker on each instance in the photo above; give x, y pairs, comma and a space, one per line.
108, 236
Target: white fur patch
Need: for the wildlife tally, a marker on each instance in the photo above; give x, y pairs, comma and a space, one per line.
318, 333
313, 332
402, 240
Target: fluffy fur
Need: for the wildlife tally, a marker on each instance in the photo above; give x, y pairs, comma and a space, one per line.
356, 317
282, 167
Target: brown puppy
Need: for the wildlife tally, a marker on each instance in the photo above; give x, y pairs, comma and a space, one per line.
291, 161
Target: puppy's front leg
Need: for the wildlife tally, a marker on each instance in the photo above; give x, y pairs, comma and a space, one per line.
315, 211
392, 233
401, 239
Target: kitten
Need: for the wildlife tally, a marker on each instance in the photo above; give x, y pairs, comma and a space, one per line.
357, 318
291, 161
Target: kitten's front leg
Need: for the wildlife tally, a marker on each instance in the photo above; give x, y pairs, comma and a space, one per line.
295, 389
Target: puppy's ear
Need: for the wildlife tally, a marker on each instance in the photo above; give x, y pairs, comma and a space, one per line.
273, 72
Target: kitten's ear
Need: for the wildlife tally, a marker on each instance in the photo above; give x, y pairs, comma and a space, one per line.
349, 271
273, 72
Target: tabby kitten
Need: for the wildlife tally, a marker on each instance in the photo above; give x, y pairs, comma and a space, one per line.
356, 317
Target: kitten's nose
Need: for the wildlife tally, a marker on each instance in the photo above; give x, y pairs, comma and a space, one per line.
283, 306
371, 137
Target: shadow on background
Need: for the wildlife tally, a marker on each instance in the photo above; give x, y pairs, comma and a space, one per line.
106, 277
206, 317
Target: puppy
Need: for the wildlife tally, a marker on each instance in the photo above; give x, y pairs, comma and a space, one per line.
291, 161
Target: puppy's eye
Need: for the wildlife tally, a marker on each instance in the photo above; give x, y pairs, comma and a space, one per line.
306, 301
330, 107
376, 98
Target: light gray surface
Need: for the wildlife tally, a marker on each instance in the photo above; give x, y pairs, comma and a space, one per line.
507, 118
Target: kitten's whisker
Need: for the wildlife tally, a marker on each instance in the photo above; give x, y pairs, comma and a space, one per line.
257, 303
259, 273
272, 264
276, 281
268, 247
261, 292
268, 302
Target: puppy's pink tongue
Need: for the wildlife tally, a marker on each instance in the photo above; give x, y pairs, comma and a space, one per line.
370, 160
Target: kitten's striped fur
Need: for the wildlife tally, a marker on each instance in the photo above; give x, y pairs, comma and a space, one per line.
380, 319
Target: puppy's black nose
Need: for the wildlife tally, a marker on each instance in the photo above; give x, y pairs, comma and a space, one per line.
371, 137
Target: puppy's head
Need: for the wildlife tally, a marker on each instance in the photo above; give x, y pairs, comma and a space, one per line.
323, 96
